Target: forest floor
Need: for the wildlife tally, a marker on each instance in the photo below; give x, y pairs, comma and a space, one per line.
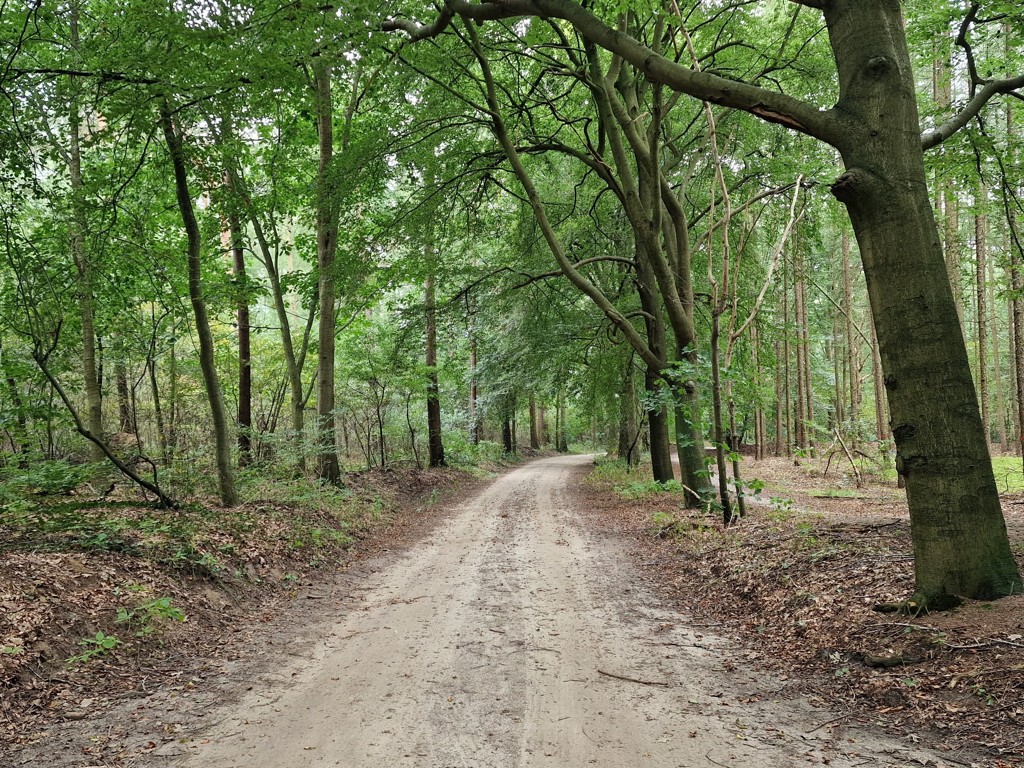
104, 600
544, 621
797, 581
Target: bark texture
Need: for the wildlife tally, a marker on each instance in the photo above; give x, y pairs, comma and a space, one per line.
960, 542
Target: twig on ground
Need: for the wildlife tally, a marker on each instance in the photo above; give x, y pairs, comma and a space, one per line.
828, 722
632, 679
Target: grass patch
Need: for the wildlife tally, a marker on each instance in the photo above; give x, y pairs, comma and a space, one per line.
838, 493
1009, 474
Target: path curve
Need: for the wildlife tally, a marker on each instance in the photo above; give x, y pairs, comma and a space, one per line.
512, 637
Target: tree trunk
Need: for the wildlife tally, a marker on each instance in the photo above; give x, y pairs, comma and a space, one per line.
800, 411
755, 362
960, 542
244, 344
787, 379
689, 437
475, 423
804, 352
852, 344
997, 366
780, 402
563, 431
716, 408
506, 435
125, 420
877, 379
435, 444
981, 273
534, 434
327, 466
1017, 308
83, 262
627, 415
218, 411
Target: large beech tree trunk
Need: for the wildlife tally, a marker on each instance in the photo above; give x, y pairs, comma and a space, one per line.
960, 542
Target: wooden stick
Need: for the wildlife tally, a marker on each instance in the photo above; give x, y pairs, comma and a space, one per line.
632, 679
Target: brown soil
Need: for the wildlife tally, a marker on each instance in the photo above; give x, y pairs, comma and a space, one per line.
55, 592
797, 581
513, 634
544, 621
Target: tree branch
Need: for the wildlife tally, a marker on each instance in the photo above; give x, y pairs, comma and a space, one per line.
771, 106
935, 137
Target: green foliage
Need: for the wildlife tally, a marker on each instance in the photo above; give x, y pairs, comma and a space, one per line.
645, 489
1009, 473
150, 616
19, 485
99, 645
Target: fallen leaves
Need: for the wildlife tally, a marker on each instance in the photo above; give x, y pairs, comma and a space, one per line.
797, 584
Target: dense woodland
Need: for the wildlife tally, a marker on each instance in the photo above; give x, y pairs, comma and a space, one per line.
292, 240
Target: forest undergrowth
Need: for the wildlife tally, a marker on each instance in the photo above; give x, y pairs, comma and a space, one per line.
103, 597
798, 579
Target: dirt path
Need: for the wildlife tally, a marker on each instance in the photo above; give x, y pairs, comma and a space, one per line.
497, 642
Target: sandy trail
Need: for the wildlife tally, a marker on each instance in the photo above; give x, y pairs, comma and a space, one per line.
494, 644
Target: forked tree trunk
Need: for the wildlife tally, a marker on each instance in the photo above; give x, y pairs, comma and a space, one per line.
960, 542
